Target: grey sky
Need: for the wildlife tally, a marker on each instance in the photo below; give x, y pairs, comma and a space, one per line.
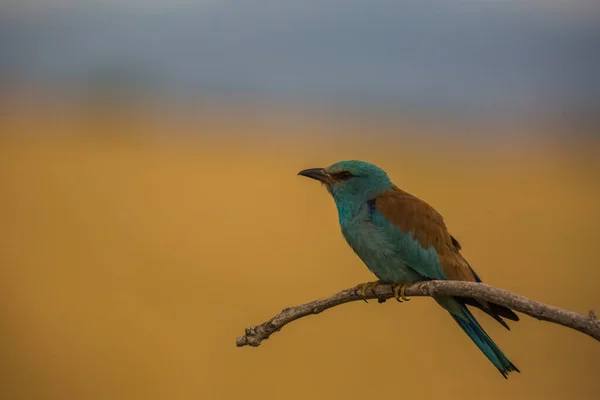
457, 54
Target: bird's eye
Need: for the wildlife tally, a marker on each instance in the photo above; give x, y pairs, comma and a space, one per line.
344, 175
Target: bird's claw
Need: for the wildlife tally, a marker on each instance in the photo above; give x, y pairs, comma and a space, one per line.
365, 286
399, 292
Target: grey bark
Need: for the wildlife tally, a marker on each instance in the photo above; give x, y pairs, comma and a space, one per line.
589, 324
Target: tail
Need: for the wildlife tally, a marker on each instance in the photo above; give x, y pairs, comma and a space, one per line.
471, 327
495, 311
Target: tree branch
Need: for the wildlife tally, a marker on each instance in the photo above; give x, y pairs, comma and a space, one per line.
589, 325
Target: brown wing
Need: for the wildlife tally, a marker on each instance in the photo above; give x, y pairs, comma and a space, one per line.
412, 214
427, 226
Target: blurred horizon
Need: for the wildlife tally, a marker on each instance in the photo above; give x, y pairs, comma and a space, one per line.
460, 60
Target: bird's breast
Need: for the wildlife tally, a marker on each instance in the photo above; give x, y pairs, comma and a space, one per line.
377, 250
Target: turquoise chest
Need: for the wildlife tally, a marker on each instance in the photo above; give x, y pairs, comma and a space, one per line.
384, 249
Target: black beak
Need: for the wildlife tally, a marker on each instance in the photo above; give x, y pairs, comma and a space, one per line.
318, 174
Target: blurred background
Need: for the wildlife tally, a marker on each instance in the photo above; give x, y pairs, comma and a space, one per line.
150, 209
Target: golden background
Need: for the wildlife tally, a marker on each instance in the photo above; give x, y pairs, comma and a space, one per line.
130, 263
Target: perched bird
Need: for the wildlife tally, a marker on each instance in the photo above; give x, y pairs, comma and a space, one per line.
403, 240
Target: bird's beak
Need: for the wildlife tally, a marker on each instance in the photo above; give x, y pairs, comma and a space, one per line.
318, 174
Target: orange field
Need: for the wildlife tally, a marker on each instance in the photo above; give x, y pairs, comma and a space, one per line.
129, 264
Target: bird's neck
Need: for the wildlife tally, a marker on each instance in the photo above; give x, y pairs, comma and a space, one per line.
350, 211
353, 207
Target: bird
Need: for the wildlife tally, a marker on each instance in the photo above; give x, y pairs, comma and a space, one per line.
402, 240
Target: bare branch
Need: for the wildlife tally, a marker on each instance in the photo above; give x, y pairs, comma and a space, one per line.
589, 325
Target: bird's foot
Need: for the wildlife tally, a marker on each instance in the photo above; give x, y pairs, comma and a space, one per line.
400, 287
365, 286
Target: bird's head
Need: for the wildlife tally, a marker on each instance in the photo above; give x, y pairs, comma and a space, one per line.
351, 180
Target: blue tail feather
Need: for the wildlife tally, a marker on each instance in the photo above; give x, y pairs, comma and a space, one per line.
471, 327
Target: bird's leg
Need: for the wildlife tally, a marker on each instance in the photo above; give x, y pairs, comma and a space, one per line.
402, 290
365, 286
400, 287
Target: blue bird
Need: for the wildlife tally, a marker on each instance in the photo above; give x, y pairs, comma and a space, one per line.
403, 240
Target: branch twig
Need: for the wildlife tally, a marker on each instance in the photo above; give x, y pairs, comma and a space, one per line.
589, 325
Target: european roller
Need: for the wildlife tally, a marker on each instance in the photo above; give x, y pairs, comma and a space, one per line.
403, 240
